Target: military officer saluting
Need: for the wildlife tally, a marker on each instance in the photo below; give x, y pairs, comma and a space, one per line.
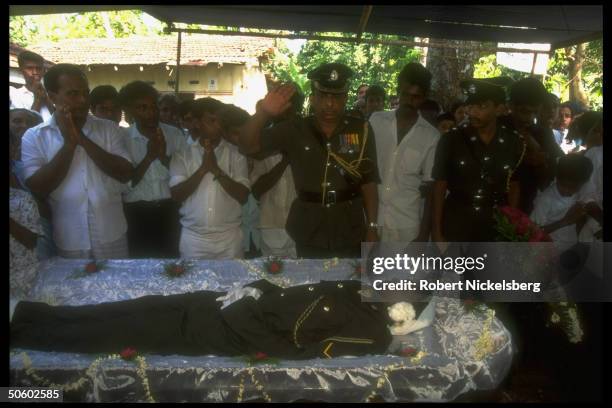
478, 164
333, 160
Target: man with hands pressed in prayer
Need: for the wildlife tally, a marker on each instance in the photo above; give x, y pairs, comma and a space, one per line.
79, 164
210, 180
152, 215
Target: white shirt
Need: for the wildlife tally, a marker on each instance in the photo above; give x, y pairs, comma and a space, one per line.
593, 189
403, 168
210, 208
550, 206
559, 135
154, 184
275, 203
189, 140
24, 98
85, 186
566, 145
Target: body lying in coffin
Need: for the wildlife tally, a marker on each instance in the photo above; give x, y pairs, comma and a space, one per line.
326, 319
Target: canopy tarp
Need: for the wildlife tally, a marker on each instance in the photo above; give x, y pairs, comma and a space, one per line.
558, 25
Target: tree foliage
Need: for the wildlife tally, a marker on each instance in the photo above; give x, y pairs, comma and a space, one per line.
487, 67
380, 64
557, 79
372, 64
27, 30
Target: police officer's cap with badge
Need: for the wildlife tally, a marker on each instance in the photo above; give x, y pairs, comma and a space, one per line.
479, 90
331, 78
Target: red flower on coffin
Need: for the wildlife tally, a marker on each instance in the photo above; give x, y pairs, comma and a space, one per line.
128, 353
274, 265
260, 355
91, 267
408, 352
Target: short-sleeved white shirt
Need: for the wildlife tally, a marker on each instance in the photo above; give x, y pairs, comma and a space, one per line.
403, 168
154, 185
210, 208
84, 186
550, 206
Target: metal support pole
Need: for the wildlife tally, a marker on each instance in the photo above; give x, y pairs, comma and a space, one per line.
354, 40
533, 65
178, 64
365, 16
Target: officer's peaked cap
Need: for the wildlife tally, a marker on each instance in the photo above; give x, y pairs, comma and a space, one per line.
331, 78
478, 90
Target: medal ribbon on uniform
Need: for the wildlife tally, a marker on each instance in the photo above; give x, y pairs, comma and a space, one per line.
351, 167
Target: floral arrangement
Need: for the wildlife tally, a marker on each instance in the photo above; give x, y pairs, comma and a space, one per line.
274, 265
128, 354
357, 269
330, 263
513, 225
565, 315
175, 269
413, 354
403, 316
485, 344
259, 358
474, 306
408, 352
90, 268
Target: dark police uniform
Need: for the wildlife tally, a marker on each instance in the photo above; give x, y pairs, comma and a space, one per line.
327, 218
478, 175
324, 320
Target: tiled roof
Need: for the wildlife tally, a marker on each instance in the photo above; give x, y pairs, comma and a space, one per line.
196, 49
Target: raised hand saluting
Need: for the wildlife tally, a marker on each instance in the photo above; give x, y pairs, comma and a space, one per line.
277, 101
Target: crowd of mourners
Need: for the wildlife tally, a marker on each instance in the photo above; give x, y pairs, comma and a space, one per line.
132, 173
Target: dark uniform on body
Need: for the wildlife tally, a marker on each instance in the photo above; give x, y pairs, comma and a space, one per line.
324, 320
327, 218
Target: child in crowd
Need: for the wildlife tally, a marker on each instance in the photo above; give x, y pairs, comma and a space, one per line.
557, 209
589, 127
